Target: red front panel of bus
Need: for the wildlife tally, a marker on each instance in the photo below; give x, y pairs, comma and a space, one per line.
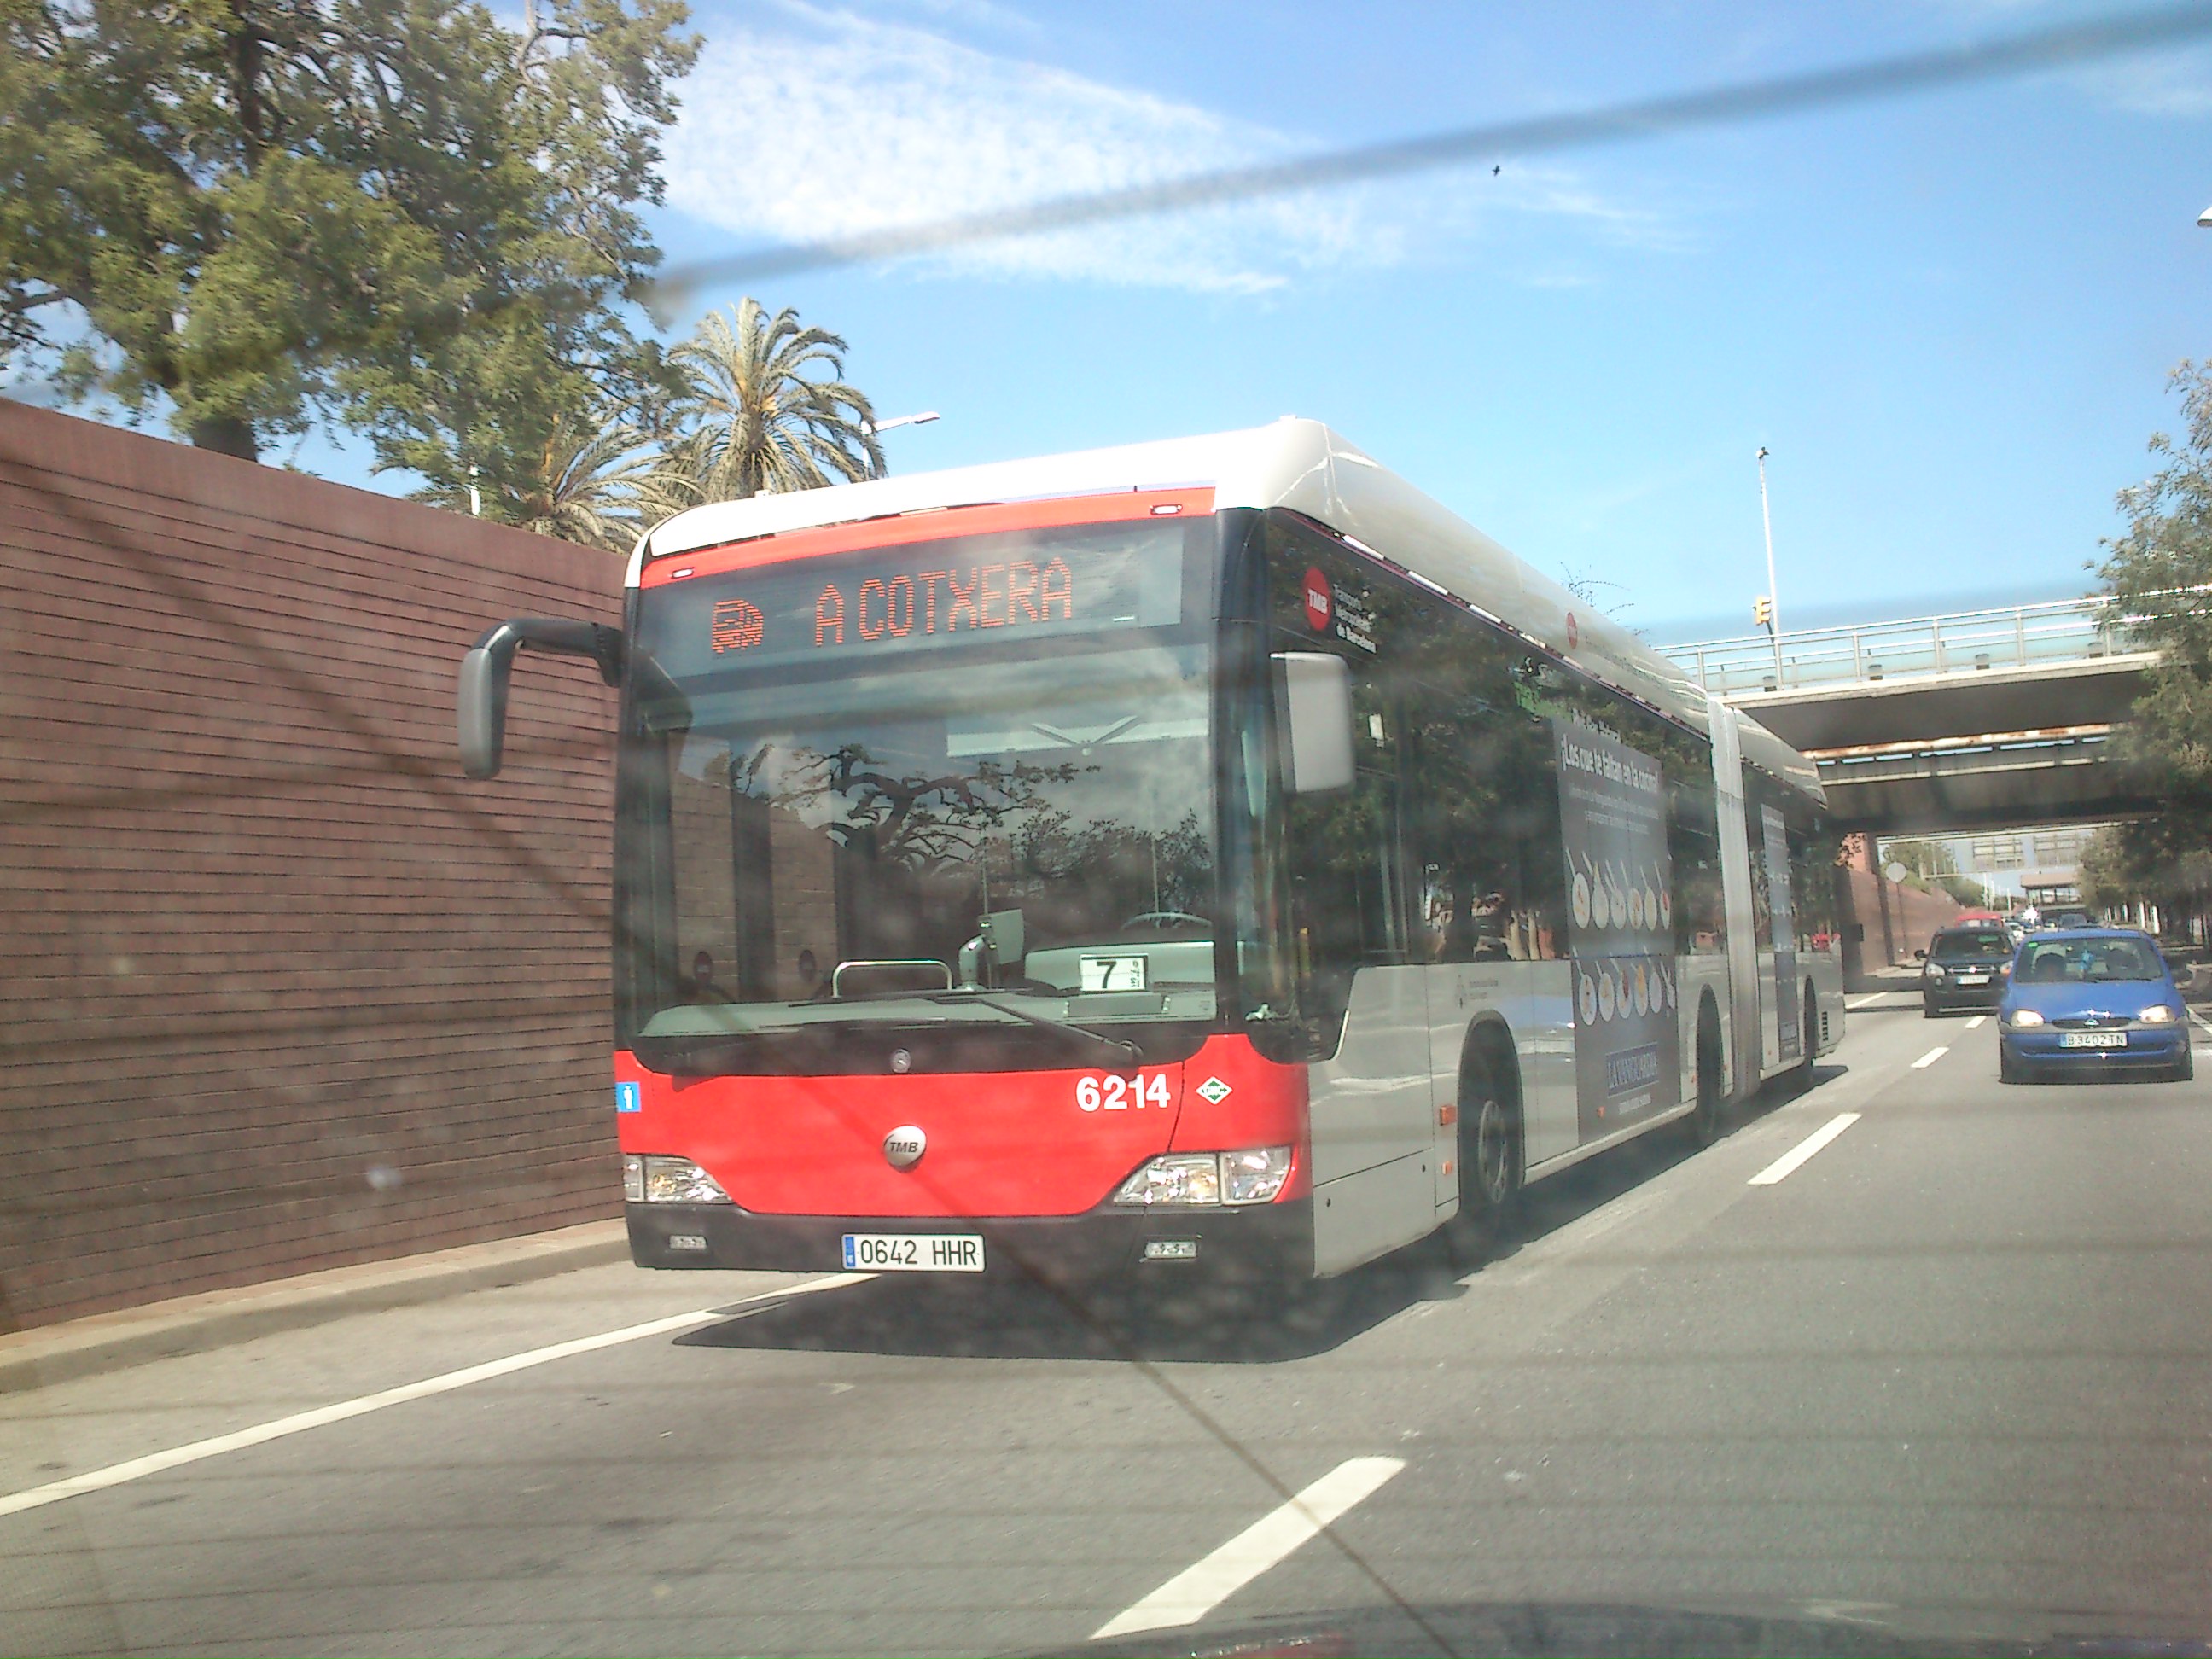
1000, 1143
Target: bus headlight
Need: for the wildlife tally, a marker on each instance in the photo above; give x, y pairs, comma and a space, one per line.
1251, 1176
1254, 1176
670, 1181
1175, 1178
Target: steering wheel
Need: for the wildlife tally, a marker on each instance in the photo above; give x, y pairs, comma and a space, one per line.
1164, 920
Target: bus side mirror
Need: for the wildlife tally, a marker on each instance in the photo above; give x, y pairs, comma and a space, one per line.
480, 706
1313, 707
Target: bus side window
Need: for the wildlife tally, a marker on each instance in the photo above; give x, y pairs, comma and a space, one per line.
1346, 897
1484, 813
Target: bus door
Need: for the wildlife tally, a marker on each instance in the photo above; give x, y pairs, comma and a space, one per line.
1363, 1003
1782, 1026
1746, 1046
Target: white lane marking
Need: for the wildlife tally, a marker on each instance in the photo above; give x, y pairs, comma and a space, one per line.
1975, 1023
1197, 1591
116, 1475
1871, 996
1804, 1148
1931, 1056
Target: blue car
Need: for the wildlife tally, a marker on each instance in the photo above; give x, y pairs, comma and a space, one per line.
2090, 1002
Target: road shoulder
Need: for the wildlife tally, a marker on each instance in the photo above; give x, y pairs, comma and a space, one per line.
193, 1324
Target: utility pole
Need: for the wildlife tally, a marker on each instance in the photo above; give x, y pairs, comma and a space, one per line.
1773, 600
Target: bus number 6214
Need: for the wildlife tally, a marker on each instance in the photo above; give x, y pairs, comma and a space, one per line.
1112, 1092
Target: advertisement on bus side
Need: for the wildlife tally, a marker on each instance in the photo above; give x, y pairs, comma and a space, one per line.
1621, 928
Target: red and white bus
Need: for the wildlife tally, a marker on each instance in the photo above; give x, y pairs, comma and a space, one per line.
1201, 854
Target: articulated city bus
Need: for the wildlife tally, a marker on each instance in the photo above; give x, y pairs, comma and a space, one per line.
1201, 854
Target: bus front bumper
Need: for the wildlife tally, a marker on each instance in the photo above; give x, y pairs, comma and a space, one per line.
1259, 1241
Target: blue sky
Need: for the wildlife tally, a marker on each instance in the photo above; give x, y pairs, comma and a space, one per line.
1950, 317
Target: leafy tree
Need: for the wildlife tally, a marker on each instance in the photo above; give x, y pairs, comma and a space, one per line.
265, 213
760, 419
2159, 574
600, 483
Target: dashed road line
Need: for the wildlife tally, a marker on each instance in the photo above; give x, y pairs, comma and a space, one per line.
136, 1468
1975, 1023
1791, 1160
1197, 1590
1870, 997
1931, 1056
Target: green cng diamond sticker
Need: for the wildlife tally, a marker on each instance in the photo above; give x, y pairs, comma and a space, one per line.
1213, 1092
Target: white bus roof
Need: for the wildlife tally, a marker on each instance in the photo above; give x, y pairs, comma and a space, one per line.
1295, 464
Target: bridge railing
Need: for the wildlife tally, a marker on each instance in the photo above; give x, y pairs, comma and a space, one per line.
1962, 642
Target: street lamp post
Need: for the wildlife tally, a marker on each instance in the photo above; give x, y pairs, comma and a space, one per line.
1773, 599
923, 419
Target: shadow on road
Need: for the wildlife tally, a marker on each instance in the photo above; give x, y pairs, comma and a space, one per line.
1198, 1321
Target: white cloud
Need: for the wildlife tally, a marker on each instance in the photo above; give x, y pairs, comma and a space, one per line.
2173, 84
804, 122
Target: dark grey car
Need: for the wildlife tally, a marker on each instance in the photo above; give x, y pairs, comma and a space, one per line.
1965, 968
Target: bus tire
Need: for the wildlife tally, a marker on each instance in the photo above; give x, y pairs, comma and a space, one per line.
1490, 1137
1708, 1117
1809, 1028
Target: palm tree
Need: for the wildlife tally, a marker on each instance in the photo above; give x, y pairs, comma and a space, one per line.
759, 422
602, 482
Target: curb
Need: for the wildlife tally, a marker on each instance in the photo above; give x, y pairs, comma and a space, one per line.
219, 1319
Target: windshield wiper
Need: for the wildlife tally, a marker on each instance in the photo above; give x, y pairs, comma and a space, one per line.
1120, 1045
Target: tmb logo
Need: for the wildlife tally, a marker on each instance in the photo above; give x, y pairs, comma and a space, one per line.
1321, 603
736, 626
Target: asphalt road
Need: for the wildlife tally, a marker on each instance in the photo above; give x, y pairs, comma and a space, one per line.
1947, 1377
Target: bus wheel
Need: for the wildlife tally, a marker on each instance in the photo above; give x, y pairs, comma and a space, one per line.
1707, 1117
1489, 1142
1808, 1026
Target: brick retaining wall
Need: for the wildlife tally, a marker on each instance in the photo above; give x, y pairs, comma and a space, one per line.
279, 989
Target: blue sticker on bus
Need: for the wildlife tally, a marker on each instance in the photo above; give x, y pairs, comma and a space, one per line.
627, 1098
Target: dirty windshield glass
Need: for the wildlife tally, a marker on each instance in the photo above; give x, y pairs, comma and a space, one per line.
879, 826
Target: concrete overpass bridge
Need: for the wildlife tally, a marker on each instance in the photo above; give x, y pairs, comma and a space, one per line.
1998, 717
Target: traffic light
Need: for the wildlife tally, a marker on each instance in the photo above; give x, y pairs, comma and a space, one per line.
1762, 611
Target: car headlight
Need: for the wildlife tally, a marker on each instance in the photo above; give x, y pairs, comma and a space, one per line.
1190, 1179
653, 1179
2158, 1015
1934, 972
2023, 1017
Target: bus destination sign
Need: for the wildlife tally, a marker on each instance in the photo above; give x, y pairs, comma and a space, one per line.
1086, 579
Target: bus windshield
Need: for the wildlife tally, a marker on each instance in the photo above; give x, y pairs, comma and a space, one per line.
1021, 837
